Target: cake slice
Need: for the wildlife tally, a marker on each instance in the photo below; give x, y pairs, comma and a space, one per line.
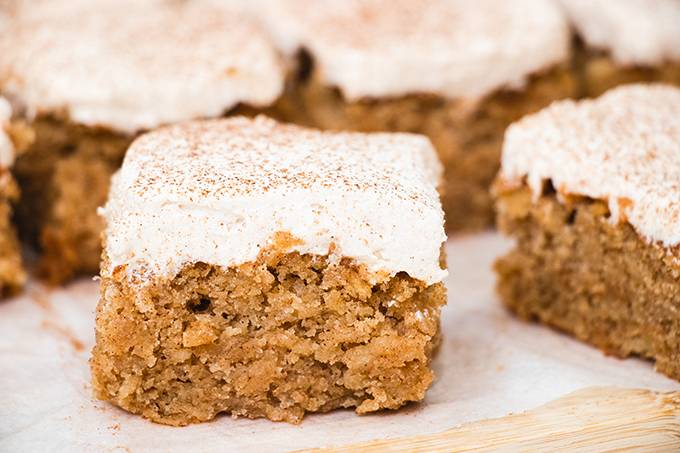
590, 190
90, 76
457, 71
625, 41
12, 275
267, 270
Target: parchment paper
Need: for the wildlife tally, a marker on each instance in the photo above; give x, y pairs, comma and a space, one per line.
489, 365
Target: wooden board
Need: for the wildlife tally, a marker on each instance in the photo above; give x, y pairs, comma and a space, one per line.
598, 419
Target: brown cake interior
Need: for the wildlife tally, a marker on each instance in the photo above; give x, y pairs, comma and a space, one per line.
575, 270
277, 337
64, 177
12, 275
599, 72
467, 135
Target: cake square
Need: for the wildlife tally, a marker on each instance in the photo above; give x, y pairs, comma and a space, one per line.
590, 191
88, 77
268, 270
457, 71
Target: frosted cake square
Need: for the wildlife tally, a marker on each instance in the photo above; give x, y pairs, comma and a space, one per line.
268, 270
590, 191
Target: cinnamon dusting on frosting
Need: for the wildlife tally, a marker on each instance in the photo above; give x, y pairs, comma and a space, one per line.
219, 191
216, 159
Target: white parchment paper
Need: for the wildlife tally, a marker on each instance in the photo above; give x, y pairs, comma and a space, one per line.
489, 365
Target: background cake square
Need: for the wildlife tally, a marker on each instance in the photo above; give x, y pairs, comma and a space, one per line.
590, 190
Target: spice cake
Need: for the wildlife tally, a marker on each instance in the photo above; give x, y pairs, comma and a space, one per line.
456, 71
268, 270
590, 190
625, 41
89, 76
12, 275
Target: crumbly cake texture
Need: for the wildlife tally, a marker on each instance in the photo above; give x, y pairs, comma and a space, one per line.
625, 41
280, 336
87, 83
590, 191
433, 61
12, 275
574, 270
269, 270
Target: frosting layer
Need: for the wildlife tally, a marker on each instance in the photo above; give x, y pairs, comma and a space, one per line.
6, 146
623, 147
635, 32
218, 191
454, 48
132, 65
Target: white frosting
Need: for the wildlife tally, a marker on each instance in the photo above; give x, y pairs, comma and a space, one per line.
623, 147
6, 146
634, 32
454, 48
132, 65
218, 191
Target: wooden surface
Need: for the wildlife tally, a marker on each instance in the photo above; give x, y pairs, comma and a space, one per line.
597, 419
